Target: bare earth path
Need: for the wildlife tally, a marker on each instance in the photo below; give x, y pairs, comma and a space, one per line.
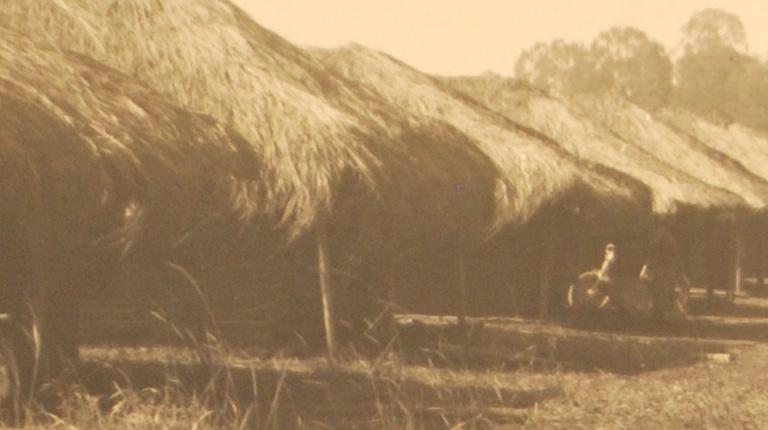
708, 372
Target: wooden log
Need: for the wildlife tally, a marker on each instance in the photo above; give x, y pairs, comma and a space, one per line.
326, 291
719, 357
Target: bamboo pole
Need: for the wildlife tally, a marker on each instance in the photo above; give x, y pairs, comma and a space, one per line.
705, 250
738, 263
462, 279
545, 284
326, 291
389, 278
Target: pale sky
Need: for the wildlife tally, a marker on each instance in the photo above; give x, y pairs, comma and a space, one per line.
473, 36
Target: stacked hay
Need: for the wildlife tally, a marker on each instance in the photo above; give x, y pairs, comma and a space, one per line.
542, 192
379, 185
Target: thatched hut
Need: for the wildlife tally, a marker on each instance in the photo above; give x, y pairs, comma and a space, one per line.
705, 179
748, 148
673, 190
344, 170
91, 164
714, 241
685, 200
547, 202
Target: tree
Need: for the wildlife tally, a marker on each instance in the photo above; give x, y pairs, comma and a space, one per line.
707, 81
710, 28
561, 67
620, 60
716, 77
628, 62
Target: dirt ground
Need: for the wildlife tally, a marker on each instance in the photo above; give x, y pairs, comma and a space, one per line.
709, 371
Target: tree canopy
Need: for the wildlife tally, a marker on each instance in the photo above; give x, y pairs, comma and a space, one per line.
628, 62
559, 66
714, 75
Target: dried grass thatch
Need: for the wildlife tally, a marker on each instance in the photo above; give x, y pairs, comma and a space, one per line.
682, 151
743, 145
316, 135
698, 188
383, 185
535, 171
91, 163
543, 194
139, 155
672, 189
749, 149
711, 248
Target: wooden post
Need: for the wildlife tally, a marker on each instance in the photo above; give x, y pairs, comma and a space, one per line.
326, 291
462, 279
388, 277
514, 288
545, 284
389, 280
738, 262
708, 269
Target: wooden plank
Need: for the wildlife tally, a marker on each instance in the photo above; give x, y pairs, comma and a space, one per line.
326, 291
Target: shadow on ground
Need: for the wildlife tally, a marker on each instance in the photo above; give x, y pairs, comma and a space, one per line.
506, 343
283, 396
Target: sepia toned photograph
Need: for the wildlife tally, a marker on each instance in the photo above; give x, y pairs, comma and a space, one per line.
423, 214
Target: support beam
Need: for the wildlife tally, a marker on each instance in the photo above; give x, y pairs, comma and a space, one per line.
545, 280
387, 276
326, 291
514, 287
462, 280
389, 280
738, 264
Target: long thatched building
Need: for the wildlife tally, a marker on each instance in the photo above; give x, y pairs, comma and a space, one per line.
92, 165
549, 205
685, 201
715, 245
701, 186
673, 190
748, 149
346, 174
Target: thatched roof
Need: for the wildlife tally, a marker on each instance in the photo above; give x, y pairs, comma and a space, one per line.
313, 132
743, 145
683, 151
672, 188
535, 171
86, 146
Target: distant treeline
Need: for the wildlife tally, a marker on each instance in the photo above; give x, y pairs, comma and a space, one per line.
710, 72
